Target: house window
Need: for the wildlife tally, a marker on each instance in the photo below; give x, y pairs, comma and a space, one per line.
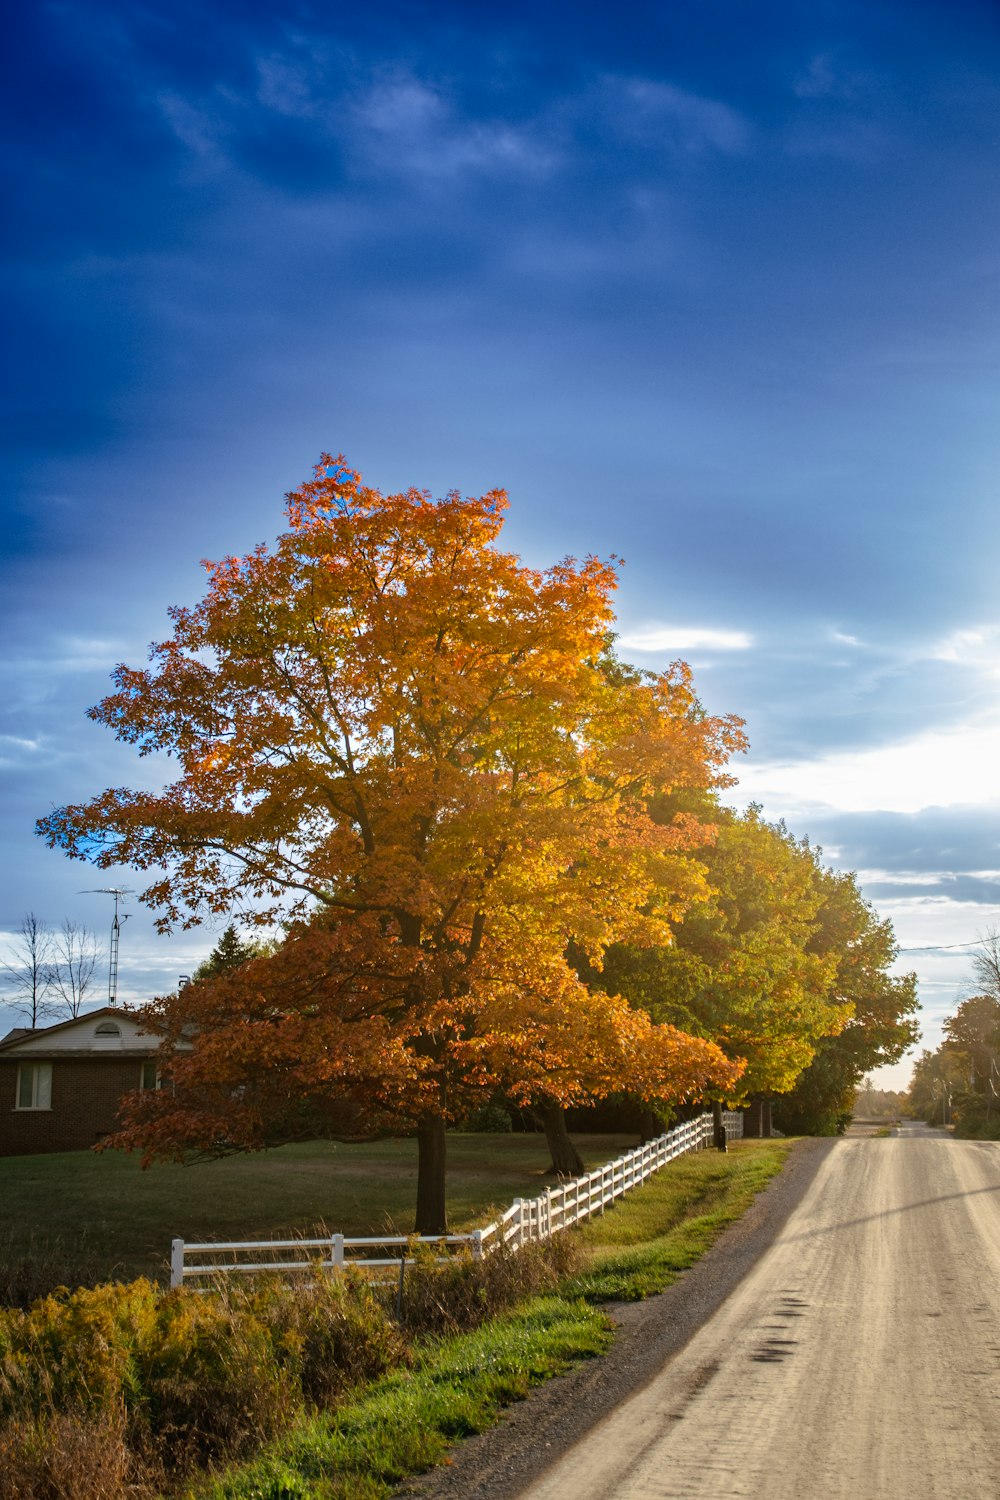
108, 1028
34, 1086
149, 1077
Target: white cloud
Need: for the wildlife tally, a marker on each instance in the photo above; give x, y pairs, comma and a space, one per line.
977, 646
61, 654
200, 129
686, 638
829, 77
660, 113
404, 124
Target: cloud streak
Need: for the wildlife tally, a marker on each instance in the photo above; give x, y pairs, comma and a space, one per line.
685, 638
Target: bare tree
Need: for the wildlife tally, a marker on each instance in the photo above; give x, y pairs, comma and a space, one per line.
76, 952
986, 963
28, 970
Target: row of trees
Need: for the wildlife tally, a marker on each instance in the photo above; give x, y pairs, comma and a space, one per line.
49, 974
497, 852
786, 966
959, 1083
873, 1103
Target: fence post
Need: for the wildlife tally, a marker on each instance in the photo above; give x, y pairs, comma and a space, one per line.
176, 1263
337, 1252
519, 1205
477, 1244
402, 1279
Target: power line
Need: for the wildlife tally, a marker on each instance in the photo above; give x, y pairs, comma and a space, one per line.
940, 947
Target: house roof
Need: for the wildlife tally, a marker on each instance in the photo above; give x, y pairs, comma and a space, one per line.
14, 1033
136, 1033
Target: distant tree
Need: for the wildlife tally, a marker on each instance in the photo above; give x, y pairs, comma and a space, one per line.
873, 1103
938, 1077
879, 1008
986, 964
740, 969
961, 1080
974, 1032
229, 953
75, 952
28, 970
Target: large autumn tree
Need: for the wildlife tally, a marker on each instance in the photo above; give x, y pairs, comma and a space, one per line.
401, 741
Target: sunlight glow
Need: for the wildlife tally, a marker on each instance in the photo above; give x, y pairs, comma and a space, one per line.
939, 768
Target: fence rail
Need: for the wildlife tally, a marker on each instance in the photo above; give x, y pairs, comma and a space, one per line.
526, 1220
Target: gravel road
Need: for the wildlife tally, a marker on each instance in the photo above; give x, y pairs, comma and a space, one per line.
841, 1343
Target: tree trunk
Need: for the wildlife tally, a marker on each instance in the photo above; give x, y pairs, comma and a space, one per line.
566, 1160
432, 1213
757, 1117
651, 1127
719, 1129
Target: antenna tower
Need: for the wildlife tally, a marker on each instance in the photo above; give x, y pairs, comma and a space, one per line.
119, 894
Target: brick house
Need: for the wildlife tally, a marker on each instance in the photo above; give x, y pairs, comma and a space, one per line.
61, 1085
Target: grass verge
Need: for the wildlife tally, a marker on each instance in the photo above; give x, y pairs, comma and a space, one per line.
407, 1422
458, 1385
643, 1245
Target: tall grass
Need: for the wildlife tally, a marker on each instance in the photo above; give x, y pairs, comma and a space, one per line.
145, 1387
34, 1262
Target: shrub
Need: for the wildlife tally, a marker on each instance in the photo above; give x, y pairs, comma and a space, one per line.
464, 1293
75, 1351
210, 1380
117, 1390
70, 1457
329, 1334
30, 1268
489, 1119
976, 1117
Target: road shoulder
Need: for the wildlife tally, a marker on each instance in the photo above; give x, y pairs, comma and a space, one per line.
500, 1463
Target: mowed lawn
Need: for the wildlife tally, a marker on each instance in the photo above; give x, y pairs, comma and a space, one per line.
76, 1217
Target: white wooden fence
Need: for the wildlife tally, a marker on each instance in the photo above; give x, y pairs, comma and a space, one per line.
527, 1219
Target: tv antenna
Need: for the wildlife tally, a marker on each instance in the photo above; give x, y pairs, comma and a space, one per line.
119, 893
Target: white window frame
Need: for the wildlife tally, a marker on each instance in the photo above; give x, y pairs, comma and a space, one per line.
41, 1087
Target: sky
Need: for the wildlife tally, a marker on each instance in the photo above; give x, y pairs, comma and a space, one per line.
711, 286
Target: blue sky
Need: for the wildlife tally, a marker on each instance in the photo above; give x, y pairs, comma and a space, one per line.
712, 286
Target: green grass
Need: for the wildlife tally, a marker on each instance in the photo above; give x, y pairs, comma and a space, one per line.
406, 1422
80, 1218
644, 1243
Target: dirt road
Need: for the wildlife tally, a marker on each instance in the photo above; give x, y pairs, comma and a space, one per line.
858, 1360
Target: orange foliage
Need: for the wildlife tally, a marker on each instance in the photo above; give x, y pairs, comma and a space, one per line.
414, 746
